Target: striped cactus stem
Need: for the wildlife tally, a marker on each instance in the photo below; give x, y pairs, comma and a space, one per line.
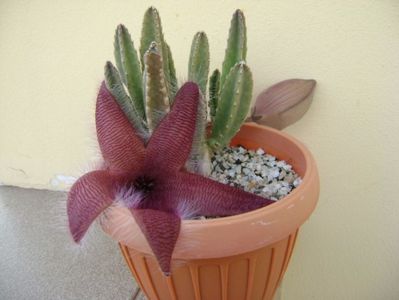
236, 50
155, 91
233, 106
152, 32
214, 89
128, 64
198, 65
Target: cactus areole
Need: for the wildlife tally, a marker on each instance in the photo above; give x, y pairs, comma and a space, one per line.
150, 180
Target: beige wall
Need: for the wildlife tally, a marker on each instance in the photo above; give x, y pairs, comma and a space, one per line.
51, 62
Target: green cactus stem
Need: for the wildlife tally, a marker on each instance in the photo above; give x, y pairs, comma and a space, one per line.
152, 32
156, 96
173, 86
115, 86
198, 65
128, 64
198, 69
214, 88
236, 50
233, 106
199, 161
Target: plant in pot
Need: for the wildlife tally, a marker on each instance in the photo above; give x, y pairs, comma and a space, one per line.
193, 208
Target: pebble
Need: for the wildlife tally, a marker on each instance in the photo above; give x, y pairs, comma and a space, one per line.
254, 171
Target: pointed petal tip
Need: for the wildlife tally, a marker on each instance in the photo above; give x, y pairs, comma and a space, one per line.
88, 197
207, 197
190, 86
76, 229
161, 230
76, 237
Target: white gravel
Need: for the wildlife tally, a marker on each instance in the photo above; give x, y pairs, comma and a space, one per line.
254, 171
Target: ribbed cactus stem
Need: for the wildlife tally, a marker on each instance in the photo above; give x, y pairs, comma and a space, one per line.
118, 58
214, 89
115, 86
152, 32
198, 66
235, 99
198, 69
236, 50
173, 86
156, 96
129, 68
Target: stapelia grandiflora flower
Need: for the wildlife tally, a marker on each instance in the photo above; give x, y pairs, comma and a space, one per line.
157, 189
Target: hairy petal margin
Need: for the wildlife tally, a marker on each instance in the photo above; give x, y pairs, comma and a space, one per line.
120, 145
88, 197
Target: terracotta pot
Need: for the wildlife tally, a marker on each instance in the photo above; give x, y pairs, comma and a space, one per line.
239, 257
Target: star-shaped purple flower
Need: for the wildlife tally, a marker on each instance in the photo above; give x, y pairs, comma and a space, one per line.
156, 186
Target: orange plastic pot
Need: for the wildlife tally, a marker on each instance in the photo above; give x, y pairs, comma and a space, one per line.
232, 258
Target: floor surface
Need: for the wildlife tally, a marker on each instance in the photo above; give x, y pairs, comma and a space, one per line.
39, 261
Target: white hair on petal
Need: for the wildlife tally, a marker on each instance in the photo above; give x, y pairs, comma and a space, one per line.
186, 211
129, 197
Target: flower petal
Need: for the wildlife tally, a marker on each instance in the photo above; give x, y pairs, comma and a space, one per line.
88, 197
161, 230
196, 195
120, 145
170, 144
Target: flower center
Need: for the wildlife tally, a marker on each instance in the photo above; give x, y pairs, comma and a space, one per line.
144, 184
